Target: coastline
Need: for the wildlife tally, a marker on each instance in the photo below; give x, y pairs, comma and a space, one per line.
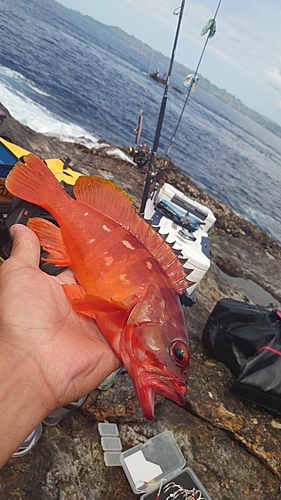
222, 438
231, 235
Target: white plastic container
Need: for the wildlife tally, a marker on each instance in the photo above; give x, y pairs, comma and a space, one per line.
108, 429
196, 250
169, 209
112, 458
111, 444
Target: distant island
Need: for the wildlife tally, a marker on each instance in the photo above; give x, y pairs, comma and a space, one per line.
205, 84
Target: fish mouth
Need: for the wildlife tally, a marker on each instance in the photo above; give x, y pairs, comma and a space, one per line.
150, 384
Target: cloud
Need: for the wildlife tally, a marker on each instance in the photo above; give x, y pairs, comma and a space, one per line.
160, 10
274, 76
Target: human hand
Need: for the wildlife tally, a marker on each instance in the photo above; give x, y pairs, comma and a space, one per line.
55, 355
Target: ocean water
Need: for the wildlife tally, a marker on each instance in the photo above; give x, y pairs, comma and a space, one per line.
63, 73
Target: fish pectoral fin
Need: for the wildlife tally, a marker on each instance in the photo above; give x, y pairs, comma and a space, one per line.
77, 298
102, 305
50, 239
85, 303
74, 291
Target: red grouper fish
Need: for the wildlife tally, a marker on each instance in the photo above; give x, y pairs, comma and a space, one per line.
129, 278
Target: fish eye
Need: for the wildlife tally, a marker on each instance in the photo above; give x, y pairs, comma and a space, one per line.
179, 353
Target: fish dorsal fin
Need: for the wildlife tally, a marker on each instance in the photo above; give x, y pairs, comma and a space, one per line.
113, 202
103, 195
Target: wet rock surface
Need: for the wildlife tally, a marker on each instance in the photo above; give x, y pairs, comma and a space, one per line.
233, 446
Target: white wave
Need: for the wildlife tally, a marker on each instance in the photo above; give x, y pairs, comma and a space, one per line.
35, 115
120, 154
40, 119
263, 220
109, 150
37, 91
9, 74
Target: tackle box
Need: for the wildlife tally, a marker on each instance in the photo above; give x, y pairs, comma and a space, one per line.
157, 462
171, 194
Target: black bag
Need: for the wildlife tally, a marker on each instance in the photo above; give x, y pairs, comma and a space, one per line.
248, 340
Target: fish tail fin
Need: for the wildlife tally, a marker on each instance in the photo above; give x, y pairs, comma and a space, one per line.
31, 180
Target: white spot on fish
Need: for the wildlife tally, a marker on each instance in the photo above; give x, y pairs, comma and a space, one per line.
86, 213
124, 279
148, 264
128, 244
108, 261
106, 228
92, 240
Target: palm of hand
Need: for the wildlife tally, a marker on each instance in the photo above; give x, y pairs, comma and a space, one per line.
40, 328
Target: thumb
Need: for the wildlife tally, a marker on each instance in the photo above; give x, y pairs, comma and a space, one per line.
26, 246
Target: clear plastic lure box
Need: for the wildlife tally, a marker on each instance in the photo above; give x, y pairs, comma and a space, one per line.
188, 480
158, 460
146, 464
107, 429
111, 443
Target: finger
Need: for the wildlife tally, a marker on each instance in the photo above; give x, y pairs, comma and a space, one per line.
26, 246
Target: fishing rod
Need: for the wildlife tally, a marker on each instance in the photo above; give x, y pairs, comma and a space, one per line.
211, 27
138, 128
161, 116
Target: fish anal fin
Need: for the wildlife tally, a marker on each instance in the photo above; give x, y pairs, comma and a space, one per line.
50, 239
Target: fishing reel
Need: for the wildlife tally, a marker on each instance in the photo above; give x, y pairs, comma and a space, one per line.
141, 155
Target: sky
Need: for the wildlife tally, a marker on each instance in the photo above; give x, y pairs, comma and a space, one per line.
244, 56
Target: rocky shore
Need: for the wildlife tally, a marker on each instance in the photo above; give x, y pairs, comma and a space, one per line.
233, 446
